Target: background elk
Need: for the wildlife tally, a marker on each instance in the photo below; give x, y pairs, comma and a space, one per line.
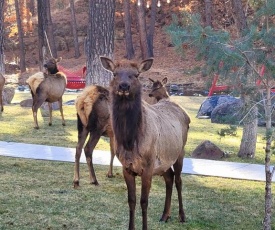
158, 89
149, 139
93, 119
48, 87
2, 83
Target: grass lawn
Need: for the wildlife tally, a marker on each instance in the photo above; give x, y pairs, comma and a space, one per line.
39, 194
17, 126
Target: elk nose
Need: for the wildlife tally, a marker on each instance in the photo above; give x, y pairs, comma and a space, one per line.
150, 95
124, 86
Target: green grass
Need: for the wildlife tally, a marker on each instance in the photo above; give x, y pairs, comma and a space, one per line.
17, 126
39, 195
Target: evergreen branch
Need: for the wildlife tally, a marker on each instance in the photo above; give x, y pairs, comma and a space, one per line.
251, 65
257, 103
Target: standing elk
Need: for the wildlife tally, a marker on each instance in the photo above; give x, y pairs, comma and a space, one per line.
149, 139
158, 89
48, 87
93, 119
2, 83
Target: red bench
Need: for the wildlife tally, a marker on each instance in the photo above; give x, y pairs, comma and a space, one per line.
75, 79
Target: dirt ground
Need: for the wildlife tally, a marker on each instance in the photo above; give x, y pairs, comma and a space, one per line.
167, 62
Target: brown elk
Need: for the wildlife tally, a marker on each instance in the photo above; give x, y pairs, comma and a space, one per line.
47, 87
93, 119
158, 90
149, 139
2, 83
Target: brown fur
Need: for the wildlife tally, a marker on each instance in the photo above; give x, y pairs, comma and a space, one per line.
2, 83
49, 88
92, 99
93, 117
149, 139
35, 80
158, 90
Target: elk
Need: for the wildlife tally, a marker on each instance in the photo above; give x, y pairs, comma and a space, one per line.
93, 120
47, 87
2, 83
158, 90
149, 139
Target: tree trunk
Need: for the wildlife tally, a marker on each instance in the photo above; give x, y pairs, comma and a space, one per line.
100, 40
41, 37
74, 28
249, 136
239, 16
2, 32
208, 12
32, 7
151, 31
21, 40
142, 30
49, 29
268, 172
130, 52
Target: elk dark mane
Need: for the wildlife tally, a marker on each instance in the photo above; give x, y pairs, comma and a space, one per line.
127, 117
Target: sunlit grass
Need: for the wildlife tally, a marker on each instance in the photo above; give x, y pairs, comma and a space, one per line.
17, 126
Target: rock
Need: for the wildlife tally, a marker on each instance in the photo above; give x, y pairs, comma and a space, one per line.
210, 103
229, 112
26, 103
8, 94
208, 150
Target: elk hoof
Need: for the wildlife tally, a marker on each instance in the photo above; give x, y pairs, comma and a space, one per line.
64, 124
76, 184
50, 124
109, 175
182, 218
95, 183
36, 127
165, 218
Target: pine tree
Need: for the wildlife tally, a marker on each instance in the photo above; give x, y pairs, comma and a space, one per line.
239, 61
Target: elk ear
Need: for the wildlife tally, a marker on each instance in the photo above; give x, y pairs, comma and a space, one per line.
107, 64
151, 80
58, 59
145, 65
164, 80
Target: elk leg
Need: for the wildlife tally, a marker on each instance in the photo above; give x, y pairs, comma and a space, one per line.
169, 181
146, 180
131, 187
61, 111
110, 172
89, 148
51, 113
37, 102
81, 140
178, 181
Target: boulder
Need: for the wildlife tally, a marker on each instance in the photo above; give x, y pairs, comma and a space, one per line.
210, 103
208, 150
8, 94
26, 103
229, 112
